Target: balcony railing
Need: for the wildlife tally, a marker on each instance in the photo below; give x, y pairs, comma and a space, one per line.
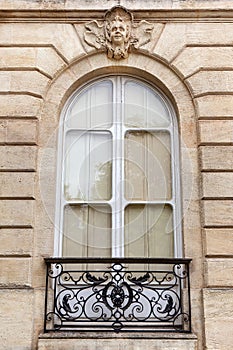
124, 294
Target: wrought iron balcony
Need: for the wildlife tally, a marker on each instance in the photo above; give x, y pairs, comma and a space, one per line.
122, 294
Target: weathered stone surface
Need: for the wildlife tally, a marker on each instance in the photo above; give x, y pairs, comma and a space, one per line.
217, 157
190, 180
19, 105
209, 33
32, 82
102, 4
218, 305
211, 82
216, 131
218, 213
57, 5
17, 185
16, 241
192, 59
43, 58
219, 241
169, 44
15, 272
217, 185
119, 344
188, 136
218, 272
18, 131
16, 213
191, 214
39, 34
17, 158
195, 253
215, 106
16, 319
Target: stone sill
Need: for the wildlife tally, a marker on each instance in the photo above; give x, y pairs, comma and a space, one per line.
110, 341
121, 335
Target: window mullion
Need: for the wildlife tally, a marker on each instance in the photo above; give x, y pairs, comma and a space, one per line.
118, 156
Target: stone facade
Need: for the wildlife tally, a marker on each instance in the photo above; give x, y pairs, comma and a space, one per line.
43, 59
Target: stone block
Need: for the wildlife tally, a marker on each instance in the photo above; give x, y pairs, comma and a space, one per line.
192, 59
16, 213
16, 317
169, 44
218, 213
48, 60
215, 106
189, 171
209, 33
217, 185
19, 105
32, 82
16, 241
18, 158
15, 272
60, 35
216, 131
218, 241
188, 134
45, 232
17, 185
22, 132
216, 157
194, 252
59, 5
3, 131
204, 82
191, 214
218, 305
218, 272
18, 131
117, 344
44, 59
39, 270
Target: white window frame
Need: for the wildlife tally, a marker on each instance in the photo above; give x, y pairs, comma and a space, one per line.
175, 202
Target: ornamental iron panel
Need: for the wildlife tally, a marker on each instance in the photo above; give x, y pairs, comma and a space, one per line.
124, 294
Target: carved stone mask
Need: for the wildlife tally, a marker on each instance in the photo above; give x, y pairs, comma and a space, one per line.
118, 33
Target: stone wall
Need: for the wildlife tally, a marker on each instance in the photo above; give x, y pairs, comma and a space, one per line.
43, 59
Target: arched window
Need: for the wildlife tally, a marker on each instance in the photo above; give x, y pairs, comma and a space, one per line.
118, 174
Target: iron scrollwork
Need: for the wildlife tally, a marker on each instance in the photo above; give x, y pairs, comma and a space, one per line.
119, 299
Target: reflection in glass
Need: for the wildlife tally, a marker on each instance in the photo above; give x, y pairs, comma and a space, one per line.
147, 165
92, 108
87, 231
144, 108
88, 166
149, 231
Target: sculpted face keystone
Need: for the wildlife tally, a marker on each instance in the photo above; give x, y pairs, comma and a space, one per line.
118, 33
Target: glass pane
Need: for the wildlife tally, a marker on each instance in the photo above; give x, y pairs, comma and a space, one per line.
144, 108
88, 166
92, 108
149, 231
87, 231
147, 166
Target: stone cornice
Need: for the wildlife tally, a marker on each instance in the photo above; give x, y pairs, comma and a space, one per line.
82, 16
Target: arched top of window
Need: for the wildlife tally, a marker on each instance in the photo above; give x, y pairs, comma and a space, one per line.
119, 189
144, 107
